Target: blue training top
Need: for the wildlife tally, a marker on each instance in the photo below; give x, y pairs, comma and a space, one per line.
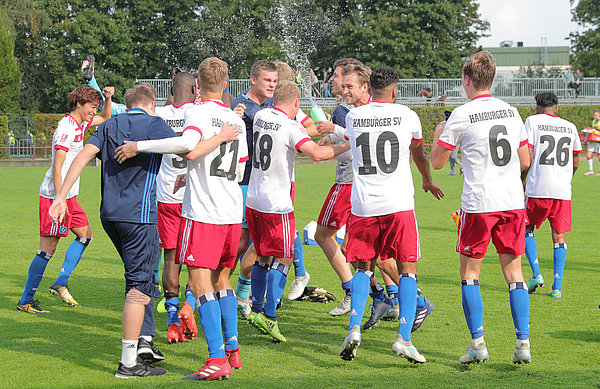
252, 107
129, 189
338, 116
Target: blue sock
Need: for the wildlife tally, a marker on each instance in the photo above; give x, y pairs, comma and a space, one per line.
347, 286
473, 307
34, 276
560, 256
172, 307
259, 274
72, 257
360, 292
275, 287
407, 297
189, 297
420, 300
210, 319
531, 253
229, 318
519, 307
377, 293
299, 270
392, 292
243, 287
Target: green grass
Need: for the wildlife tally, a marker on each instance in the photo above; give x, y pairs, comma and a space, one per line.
80, 347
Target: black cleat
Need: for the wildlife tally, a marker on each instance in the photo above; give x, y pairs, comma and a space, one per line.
148, 351
140, 369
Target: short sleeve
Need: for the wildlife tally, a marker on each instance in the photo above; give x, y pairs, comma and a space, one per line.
159, 129
529, 132
453, 130
415, 127
97, 139
297, 135
64, 136
301, 117
577, 149
193, 121
243, 145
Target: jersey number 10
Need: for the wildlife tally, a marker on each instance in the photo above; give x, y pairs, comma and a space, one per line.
363, 142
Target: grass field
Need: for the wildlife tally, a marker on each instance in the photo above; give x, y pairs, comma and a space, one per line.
80, 347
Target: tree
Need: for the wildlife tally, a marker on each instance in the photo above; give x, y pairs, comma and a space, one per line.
586, 45
10, 77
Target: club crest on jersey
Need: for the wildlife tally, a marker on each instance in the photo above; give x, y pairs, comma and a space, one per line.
62, 230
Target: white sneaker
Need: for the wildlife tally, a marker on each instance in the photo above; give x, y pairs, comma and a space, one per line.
244, 307
343, 308
475, 353
522, 352
350, 345
589, 173
407, 350
298, 286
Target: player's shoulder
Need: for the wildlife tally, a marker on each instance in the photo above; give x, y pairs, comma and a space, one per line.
341, 109
67, 122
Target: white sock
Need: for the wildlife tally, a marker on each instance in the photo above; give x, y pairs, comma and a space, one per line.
147, 338
477, 341
129, 352
590, 165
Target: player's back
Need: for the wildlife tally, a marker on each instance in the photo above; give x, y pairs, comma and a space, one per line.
489, 132
380, 136
553, 140
276, 139
212, 193
172, 165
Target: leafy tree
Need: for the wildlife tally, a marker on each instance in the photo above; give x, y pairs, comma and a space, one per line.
586, 45
10, 76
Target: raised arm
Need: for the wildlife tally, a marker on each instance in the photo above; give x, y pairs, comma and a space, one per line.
107, 92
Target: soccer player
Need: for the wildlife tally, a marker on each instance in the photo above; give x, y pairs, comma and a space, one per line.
129, 216
269, 206
593, 147
494, 146
555, 147
336, 209
383, 136
263, 80
66, 143
181, 325
212, 213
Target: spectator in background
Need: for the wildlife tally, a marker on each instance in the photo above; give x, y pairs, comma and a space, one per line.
568, 80
11, 142
577, 81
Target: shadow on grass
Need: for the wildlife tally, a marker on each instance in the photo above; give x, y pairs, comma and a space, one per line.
583, 336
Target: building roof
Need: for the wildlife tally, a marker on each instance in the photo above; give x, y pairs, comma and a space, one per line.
530, 56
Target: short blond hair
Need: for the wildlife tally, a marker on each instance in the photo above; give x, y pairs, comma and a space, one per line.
284, 72
212, 73
363, 73
286, 93
141, 93
481, 69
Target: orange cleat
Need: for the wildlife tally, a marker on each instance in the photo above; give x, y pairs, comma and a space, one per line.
188, 321
175, 334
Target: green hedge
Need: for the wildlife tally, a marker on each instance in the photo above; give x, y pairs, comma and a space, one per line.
3, 135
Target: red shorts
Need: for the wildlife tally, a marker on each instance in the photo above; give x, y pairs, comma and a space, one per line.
388, 236
506, 228
207, 245
558, 213
74, 218
273, 233
169, 219
336, 209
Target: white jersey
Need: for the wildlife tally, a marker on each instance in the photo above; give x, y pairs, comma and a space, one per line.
68, 137
172, 165
212, 194
380, 136
489, 132
554, 141
276, 141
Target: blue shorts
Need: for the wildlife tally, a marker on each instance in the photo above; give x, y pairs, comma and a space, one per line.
137, 245
244, 193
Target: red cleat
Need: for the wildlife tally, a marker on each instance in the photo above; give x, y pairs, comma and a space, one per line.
234, 358
213, 369
188, 321
175, 334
